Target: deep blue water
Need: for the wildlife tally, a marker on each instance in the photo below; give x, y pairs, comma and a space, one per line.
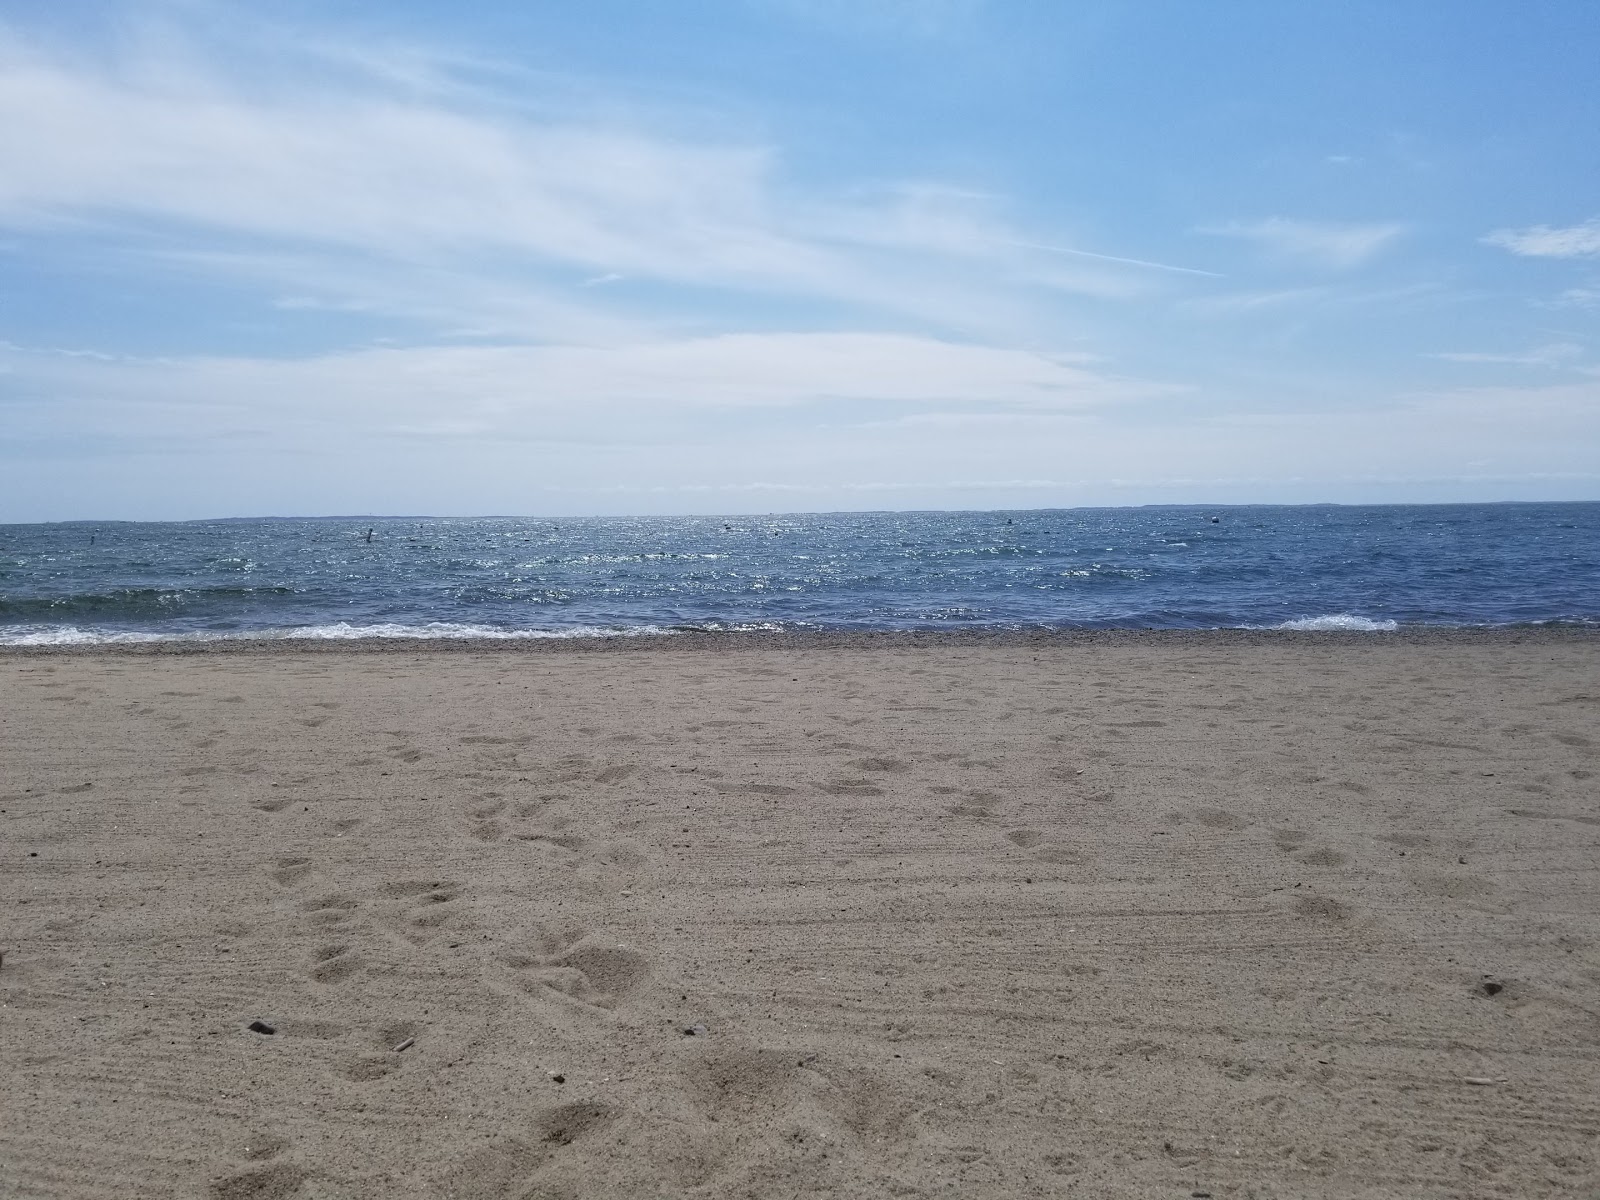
1144, 568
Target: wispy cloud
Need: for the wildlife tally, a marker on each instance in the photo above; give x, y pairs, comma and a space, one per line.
1114, 258
822, 421
1578, 297
362, 186
594, 393
1546, 241
1556, 354
1322, 243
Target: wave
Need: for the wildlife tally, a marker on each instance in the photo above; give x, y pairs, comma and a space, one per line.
1341, 621
340, 631
133, 602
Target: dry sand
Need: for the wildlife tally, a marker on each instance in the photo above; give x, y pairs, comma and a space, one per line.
1246, 916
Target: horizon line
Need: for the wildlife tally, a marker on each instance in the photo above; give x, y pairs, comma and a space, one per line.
833, 512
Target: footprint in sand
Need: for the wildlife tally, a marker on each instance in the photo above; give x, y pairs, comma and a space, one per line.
330, 910
291, 870
1059, 856
384, 1055
555, 836
741, 1079
486, 831
563, 965
335, 963
765, 1087
259, 1147
1288, 840
278, 1181
1323, 857
1321, 908
367, 1068
851, 787
421, 909
510, 1167
977, 804
619, 855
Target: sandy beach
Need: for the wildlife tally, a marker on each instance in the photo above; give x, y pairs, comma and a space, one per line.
1220, 914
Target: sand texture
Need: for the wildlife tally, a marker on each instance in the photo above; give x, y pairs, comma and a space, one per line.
1165, 916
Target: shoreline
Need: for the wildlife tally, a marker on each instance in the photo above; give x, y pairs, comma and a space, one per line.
743, 640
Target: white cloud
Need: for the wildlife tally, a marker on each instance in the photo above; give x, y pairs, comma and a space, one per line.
381, 174
593, 393
363, 188
1578, 297
799, 422
1555, 354
1322, 243
1545, 241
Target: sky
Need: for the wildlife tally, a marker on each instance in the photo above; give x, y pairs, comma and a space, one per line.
717, 256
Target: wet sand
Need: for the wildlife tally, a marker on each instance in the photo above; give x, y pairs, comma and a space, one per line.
1118, 915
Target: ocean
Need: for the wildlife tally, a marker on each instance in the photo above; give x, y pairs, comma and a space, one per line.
1370, 568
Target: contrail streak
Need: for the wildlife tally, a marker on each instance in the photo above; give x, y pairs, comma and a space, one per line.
1132, 262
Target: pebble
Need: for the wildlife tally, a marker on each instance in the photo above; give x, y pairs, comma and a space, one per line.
262, 1027
695, 1031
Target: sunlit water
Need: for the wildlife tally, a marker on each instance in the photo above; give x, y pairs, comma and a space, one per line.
1364, 568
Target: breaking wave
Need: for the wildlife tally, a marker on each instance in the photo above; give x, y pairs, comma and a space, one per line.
339, 631
1341, 621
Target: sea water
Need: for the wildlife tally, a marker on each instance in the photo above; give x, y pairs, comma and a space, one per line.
1375, 568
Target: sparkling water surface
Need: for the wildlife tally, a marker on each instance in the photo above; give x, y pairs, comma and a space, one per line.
1370, 568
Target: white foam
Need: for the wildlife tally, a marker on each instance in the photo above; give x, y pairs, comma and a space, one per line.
1343, 621
344, 631
71, 635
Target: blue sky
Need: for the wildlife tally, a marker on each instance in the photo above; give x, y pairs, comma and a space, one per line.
757, 255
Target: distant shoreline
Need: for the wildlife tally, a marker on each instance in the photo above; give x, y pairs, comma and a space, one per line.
1220, 506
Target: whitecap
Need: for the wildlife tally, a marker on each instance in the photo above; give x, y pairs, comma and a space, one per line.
1343, 621
71, 635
